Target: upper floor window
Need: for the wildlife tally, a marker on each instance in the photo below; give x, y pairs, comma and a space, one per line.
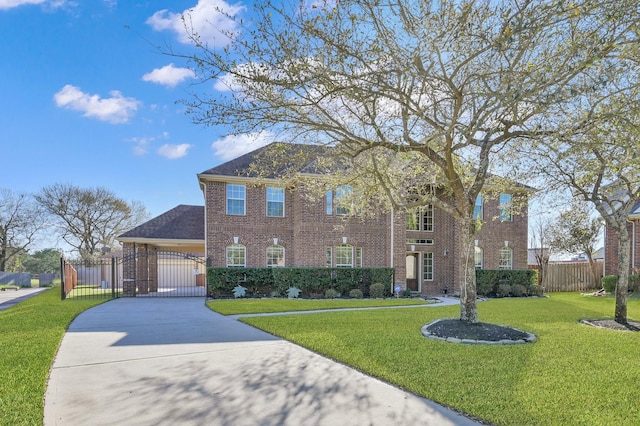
420, 219
478, 257
275, 256
236, 198
506, 258
236, 256
275, 201
505, 208
477, 208
337, 202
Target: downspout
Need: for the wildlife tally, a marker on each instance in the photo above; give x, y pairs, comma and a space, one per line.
392, 246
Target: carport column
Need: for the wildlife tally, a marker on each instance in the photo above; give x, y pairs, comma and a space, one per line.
129, 269
142, 269
153, 269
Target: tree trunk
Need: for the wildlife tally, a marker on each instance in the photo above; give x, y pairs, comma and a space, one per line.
622, 287
467, 272
592, 267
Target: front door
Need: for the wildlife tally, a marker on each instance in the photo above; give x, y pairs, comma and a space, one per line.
412, 271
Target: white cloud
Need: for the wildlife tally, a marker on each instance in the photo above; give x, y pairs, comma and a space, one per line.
50, 4
233, 146
174, 151
116, 109
204, 19
141, 144
168, 75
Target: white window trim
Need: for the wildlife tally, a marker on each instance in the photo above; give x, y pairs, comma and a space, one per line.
508, 207
481, 265
433, 266
283, 256
345, 265
481, 214
244, 248
505, 250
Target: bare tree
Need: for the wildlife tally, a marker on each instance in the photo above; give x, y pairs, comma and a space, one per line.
90, 218
541, 246
20, 221
422, 99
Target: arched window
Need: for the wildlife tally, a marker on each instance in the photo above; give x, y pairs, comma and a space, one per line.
275, 256
506, 258
236, 256
344, 256
479, 257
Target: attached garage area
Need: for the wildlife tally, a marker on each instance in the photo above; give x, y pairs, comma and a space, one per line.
181, 270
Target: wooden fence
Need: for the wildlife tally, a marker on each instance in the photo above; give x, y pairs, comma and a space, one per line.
572, 277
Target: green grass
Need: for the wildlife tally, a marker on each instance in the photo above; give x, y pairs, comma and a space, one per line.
90, 291
30, 333
573, 374
254, 306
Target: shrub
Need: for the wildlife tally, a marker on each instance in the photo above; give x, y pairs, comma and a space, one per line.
518, 290
535, 290
609, 283
376, 291
356, 293
503, 290
405, 293
331, 294
275, 293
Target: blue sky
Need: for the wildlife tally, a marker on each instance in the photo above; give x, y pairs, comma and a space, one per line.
86, 99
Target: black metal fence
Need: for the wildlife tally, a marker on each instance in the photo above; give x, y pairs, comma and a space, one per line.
150, 273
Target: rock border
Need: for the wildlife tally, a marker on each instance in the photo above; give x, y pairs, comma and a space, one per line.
531, 338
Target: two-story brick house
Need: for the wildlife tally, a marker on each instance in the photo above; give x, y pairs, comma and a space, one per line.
258, 222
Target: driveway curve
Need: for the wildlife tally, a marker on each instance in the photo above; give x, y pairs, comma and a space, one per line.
175, 362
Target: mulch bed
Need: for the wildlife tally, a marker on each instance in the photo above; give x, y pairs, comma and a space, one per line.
612, 325
454, 328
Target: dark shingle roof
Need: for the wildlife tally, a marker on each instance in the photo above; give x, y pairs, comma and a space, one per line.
273, 160
180, 223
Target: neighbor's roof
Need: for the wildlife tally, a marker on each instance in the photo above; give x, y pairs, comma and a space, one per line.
282, 156
180, 223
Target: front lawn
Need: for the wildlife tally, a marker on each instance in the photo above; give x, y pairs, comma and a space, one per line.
255, 306
30, 333
573, 375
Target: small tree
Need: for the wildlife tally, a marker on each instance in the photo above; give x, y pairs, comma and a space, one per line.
90, 218
577, 230
541, 246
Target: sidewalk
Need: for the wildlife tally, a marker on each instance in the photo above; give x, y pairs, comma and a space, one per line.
175, 362
8, 298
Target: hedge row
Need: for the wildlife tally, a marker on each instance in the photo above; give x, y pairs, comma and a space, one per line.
507, 282
312, 282
610, 282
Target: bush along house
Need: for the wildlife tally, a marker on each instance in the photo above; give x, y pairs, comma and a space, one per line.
257, 221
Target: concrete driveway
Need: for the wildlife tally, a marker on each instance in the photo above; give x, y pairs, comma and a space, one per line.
10, 297
175, 362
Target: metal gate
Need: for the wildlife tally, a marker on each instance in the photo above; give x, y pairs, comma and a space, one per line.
148, 273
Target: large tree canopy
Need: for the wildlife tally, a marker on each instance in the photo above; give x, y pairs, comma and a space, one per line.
415, 94
90, 218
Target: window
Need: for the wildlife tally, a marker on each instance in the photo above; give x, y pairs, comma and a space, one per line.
477, 209
359, 257
428, 241
329, 202
236, 195
420, 219
275, 256
344, 256
275, 202
329, 257
506, 258
236, 256
505, 208
427, 263
343, 191
479, 257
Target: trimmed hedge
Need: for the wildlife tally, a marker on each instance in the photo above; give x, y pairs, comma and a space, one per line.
501, 282
312, 282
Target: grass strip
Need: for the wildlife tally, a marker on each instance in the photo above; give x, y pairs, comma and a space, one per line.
260, 306
573, 375
30, 334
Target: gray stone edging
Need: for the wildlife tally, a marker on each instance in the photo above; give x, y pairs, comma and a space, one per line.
529, 339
